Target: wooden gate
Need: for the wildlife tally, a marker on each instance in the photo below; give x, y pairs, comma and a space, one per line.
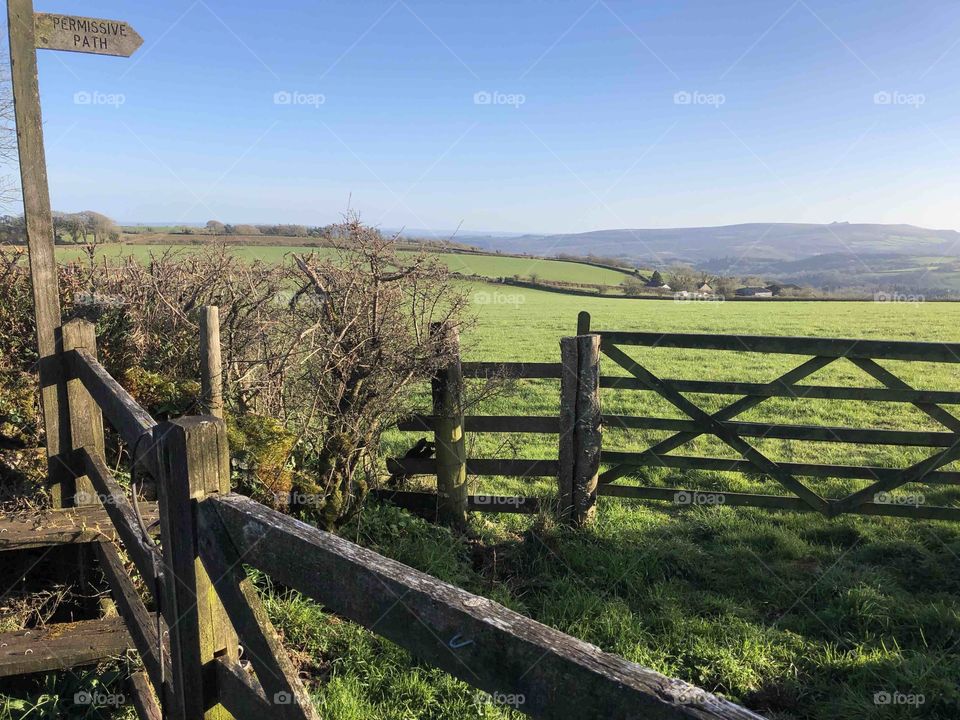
868, 500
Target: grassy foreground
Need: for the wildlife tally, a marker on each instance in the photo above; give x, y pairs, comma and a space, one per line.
796, 616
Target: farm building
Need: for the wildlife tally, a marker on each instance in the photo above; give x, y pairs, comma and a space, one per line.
758, 292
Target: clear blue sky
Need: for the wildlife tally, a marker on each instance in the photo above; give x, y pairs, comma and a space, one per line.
584, 129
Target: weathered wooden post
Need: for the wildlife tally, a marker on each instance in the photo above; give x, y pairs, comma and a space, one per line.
580, 428
450, 443
583, 323
211, 378
28, 31
85, 426
193, 461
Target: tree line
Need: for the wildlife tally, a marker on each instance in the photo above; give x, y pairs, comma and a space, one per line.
84, 227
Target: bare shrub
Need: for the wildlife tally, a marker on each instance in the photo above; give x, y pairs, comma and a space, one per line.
321, 354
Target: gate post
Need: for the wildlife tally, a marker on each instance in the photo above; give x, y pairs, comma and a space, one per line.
449, 440
580, 429
211, 373
193, 461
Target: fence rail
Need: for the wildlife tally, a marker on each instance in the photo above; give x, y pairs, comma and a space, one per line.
721, 424
206, 608
586, 467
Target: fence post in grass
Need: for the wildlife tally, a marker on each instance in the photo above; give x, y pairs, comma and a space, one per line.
580, 428
449, 440
194, 463
211, 378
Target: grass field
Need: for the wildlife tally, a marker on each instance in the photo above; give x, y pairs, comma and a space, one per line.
797, 616
484, 265
794, 615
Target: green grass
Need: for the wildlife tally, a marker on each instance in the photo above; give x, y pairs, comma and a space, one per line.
797, 616
483, 265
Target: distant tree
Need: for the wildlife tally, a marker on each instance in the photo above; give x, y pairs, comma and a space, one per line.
102, 228
632, 286
682, 277
247, 230
9, 185
656, 279
215, 227
725, 286
12, 229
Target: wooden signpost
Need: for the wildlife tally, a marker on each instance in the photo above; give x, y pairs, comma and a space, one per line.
27, 32
87, 35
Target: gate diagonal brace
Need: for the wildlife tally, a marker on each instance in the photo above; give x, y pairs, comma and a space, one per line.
788, 380
716, 427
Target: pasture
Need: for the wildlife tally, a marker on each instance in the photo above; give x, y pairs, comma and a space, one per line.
795, 615
483, 265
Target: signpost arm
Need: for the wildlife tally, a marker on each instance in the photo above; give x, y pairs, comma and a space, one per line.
39, 226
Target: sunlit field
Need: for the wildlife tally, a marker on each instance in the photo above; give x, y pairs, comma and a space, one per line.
795, 615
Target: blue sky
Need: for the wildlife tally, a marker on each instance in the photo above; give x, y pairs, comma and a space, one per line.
538, 116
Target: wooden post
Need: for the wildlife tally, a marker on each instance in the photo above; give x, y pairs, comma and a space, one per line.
39, 227
448, 436
583, 323
85, 425
194, 463
86, 420
211, 378
580, 428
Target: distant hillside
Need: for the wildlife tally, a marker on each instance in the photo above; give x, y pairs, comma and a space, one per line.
761, 241
837, 254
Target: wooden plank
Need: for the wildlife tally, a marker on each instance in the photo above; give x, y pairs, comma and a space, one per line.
85, 34
141, 624
243, 698
583, 323
820, 433
515, 370
62, 646
449, 440
823, 347
915, 473
583, 437
714, 426
478, 466
123, 412
277, 675
728, 412
86, 421
803, 392
488, 424
851, 472
686, 498
144, 701
567, 461
892, 381
211, 370
122, 516
471, 637
58, 527
194, 461
39, 231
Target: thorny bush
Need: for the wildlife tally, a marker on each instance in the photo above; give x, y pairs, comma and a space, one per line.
320, 355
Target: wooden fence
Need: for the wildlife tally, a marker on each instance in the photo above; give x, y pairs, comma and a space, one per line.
580, 422
200, 608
